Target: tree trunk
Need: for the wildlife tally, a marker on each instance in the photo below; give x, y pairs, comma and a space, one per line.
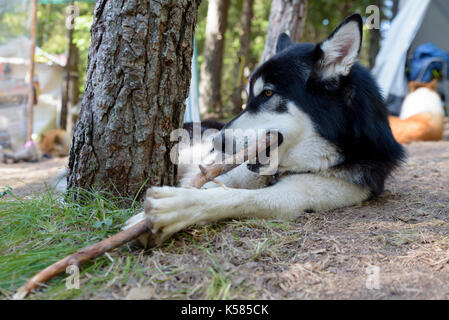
71, 88
210, 78
374, 46
136, 85
375, 36
244, 55
31, 90
395, 9
285, 16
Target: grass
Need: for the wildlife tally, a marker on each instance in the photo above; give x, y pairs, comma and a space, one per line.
38, 231
321, 255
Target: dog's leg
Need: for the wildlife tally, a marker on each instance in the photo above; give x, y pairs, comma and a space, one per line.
242, 178
169, 210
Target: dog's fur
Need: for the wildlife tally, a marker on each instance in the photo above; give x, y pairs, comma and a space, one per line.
54, 143
337, 147
422, 114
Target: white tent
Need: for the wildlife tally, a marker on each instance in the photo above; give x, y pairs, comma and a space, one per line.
14, 68
418, 22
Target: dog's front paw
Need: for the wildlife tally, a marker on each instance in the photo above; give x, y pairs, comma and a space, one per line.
169, 210
147, 239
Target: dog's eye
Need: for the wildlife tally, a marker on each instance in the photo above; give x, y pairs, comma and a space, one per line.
268, 93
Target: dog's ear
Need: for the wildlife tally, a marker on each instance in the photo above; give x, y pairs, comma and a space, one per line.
283, 42
338, 53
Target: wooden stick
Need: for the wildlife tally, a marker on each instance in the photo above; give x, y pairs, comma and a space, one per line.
208, 173
82, 256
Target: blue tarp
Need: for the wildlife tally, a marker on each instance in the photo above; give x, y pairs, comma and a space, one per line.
420, 59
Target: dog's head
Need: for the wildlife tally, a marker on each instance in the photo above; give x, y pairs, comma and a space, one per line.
297, 92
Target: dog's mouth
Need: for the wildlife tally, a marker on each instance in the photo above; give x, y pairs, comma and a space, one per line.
258, 152
256, 165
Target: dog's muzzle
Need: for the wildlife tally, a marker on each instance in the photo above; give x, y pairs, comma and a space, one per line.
228, 143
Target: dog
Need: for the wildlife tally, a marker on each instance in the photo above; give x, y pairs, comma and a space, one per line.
335, 147
54, 143
422, 114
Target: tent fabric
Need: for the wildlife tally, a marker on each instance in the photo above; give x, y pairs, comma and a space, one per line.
14, 62
192, 113
389, 69
433, 26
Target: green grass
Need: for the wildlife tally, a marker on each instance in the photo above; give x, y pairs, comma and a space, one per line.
37, 232
194, 264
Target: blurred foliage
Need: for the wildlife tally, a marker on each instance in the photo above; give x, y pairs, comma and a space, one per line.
232, 45
52, 34
13, 19
322, 17
81, 37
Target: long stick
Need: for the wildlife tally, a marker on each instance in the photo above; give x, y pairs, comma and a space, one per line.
208, 173
82, 256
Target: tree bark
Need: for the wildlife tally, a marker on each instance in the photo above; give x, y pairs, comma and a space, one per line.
137, 82
244, 55
285, 16
210, 78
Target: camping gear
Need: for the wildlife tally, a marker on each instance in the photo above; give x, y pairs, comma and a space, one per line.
426, 58
49, 76
15, 78
28, 154
417, 22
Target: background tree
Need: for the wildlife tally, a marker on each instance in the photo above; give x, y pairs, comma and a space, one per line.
375, 37
243, 55
70, 94
136, 86
285, 16
211, 68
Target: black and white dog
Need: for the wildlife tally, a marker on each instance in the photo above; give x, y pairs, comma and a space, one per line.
337, 147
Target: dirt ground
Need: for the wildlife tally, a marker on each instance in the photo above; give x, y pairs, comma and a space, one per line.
393, 247
30, 178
